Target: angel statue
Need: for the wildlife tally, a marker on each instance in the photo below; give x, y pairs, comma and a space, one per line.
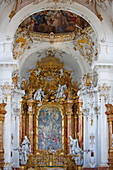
76, 151
60, 91
39, 94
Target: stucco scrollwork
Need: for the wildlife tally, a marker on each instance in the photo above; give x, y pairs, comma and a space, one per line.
24, 39
86, 44
83, 41
89, 80
22, 42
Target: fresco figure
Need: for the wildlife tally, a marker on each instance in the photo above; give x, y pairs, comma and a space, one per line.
54, 21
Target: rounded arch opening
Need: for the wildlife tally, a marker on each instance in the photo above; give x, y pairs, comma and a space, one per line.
76, 8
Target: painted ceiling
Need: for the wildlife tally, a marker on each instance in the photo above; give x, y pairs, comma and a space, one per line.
54, 21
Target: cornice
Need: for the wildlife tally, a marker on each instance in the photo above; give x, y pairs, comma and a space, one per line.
103, 66
8, 65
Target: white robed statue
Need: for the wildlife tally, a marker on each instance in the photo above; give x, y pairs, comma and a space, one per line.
24, 151
60, 93
76, 151
39, 94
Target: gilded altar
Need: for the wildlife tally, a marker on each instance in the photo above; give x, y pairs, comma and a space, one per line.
50, 113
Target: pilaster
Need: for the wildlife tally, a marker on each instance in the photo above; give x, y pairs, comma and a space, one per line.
104, 92
15, 153
90, 109
7, 89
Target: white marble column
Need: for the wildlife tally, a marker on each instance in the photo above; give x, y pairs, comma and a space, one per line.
16, 140
7, 130
90, 111
17, 94
103, 135
85, 143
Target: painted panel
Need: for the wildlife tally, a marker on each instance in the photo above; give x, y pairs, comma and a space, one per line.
50, 128
54, 21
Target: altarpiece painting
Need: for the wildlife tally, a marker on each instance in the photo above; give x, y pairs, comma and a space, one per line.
49, 128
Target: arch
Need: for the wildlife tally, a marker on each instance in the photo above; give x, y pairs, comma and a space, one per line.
84, 12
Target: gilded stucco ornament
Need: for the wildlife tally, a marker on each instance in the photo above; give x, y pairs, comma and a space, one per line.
49, 85
24, 39
86, 44
50, 81
55, 26
88, 81
84, 41
22, 42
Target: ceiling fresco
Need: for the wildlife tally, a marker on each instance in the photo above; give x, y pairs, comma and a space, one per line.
54, 21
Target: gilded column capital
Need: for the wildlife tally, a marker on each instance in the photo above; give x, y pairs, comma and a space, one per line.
68, 107
23, 106
79, 107
109, 108
31, 104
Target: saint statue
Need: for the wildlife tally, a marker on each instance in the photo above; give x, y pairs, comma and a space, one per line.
39, 94
60, 92
24, 151
76, 151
